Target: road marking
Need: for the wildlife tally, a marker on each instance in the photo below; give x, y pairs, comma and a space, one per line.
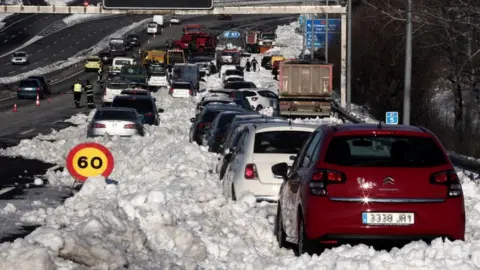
77, 42
58, 121
48, 46
54, 42
62, 50
39, 50
83, 38
5, 40
54, 54
13, 36
23, 68
70, 46
27, 131
6, 190
11, 72
62, 38
24, 29
46, 58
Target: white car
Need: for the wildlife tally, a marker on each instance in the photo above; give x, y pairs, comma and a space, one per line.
260, 98
158, 77
113, 88
257, 150
152, 28
118, 63
175, 20
123, 122
231, 74
181, 89
20, 58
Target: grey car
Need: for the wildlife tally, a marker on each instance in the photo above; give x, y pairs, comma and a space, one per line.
20, 58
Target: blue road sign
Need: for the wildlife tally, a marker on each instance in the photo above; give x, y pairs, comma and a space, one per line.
319, 39
319, 26
229, 34
391, 118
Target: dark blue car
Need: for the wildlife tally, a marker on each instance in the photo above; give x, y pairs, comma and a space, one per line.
145, 106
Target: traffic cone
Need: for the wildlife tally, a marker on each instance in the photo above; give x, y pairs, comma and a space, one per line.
154, 35
15, 108
37, 103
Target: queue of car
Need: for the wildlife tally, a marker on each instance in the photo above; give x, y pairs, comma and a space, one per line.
348, 183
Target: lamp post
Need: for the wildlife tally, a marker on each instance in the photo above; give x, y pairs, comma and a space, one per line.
408, 67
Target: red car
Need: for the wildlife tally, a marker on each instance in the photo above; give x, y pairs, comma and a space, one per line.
360, 182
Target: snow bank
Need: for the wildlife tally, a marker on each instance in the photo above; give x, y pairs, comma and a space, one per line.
58, 2
168, 212
289, 42
79, 18
80, 56
3, 16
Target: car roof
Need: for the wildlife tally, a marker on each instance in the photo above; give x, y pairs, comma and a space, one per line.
135, 90
182, 82
255, 89
376, 127
133, 97
107, 109
20, 52
224, 107
287, 125
219, 98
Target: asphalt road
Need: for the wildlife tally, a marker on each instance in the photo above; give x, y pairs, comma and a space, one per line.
66, 43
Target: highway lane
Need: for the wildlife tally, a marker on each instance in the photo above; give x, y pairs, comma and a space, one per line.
31, 120
66, 43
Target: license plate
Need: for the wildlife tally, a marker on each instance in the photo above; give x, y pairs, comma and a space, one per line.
377, 218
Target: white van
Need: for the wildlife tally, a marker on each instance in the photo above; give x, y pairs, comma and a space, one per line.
113, 88
118, 63
158, 19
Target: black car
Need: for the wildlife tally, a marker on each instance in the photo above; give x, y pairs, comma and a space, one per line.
145, 106
201, 123
239, 85
218, 128
266, 62
105, 57
134, 40
224, 17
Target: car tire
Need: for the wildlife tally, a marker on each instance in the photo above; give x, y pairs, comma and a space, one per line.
259, 108
303, 245
279, 231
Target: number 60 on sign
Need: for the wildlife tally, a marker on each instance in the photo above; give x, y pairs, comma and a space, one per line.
88, 160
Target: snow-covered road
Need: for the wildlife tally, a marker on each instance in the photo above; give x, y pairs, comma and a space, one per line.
168, 211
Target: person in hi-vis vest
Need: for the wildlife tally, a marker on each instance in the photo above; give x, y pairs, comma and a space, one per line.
89, 92
77, 93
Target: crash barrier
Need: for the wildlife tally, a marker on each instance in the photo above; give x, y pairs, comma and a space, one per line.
456, 159
274, 7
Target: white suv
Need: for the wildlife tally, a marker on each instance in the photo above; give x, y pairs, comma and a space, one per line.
260, 98
259, 148
113, 88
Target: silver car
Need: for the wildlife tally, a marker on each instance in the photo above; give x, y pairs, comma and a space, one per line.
20, 58
115, 121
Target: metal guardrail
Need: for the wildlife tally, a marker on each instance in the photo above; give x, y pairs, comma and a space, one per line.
456, 159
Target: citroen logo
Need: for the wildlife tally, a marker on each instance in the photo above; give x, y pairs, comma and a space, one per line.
388, 181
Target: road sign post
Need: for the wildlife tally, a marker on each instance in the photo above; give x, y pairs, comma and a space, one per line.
89, 159
391, 118
157, 4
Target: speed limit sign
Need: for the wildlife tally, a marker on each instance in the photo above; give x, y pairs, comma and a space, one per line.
89, 159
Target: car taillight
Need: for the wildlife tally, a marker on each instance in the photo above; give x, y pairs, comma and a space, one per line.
219, 135
450, 179
170, 91
251, 172
322, 178
129, 126
203, 125
149, 114
190, 91
19, 89
232, 94
105, 92
96, 125
254, 98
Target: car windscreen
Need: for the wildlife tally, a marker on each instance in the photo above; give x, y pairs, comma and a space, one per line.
29, 83
279, 142
122, 62
134, 70
19, 54
385, 151
157, 70
152, 25
226, 119
117, 85
181, 85
240, 85
114, 115
141, 105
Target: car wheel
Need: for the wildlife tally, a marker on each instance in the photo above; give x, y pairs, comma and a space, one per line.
259, 108
303, 245
279, 231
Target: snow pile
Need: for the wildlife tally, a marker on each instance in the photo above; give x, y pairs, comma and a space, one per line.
79, 18
3, 16
288, 40
80, 56
168, 212
58, 2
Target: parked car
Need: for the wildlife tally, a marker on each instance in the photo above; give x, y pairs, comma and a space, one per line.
20, 58
124, 122
145, 106
157, 76
201, 123
175, 20
137, 92
260, 98
231, 74
33, 87
93, 63
364, 181
180, 89
218, 128
239, 85
214, 100
114, 88
106, 57
133, 39
259, 148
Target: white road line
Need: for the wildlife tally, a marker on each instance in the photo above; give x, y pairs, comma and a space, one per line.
54, 54
62, 38
48, 46
70, 46
46, 58
24, 29
54, 42
6, 190
11, 72
39, 50
5, 40
62, 50
58, 121
13, 36
83, 38
77, 42
27, 131
23, 68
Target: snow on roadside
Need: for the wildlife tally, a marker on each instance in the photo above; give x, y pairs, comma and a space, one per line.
79, 18
3, 16
80, 56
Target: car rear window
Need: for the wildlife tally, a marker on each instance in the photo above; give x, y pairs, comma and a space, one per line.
279, 142
117, 86
93, 60
181, 85
114, 115
239, 85
385, 151
141, 106
29, 83
135, 93
205, 103
19, 54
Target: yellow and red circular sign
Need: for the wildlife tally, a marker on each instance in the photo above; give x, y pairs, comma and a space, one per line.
88, 160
